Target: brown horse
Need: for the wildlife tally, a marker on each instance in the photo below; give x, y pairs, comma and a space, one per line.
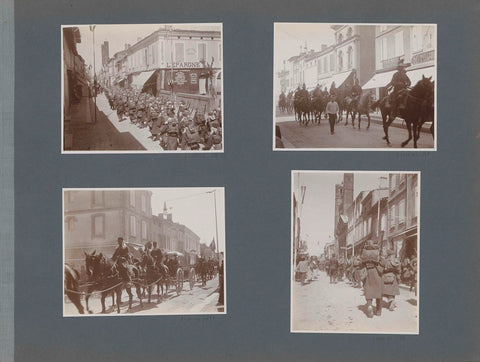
416, 108
363, 106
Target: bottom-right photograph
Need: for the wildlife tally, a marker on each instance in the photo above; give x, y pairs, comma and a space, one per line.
355, 252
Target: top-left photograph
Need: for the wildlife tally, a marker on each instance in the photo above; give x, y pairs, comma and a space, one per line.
142, 88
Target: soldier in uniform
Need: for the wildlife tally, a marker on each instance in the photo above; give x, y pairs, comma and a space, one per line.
172, 131
399, 82
391, 274
356, 90
121, 251
156, 253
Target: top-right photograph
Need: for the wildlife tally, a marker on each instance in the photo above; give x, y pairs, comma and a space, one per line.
368, 87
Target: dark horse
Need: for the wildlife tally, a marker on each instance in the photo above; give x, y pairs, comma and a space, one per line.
363, 107
302, 106
417, 108
109, 278
349, 105
72, 276
155, 274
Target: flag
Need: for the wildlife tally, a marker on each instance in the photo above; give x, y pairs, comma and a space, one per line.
212, 245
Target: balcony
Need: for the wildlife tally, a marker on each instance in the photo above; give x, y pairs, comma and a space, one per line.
424, 57
390, 63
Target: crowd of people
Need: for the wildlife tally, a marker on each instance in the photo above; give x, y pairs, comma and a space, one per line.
174, 126
378, 272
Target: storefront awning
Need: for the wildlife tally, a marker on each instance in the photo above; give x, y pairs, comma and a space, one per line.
416, 75
139, 80
339, 79
379, 80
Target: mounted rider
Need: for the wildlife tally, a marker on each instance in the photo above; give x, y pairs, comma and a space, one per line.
156, 253
356, 91
121, 251
399, 82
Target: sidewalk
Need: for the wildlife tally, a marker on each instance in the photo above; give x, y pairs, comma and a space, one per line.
88, 130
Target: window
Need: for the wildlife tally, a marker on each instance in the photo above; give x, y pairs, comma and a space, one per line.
392, 216
383, 223
97, 198
98, 226
340, 61
133, 224
401, 211
179, 52
162, 52
415, 200
349, 32
332, 62
393, 179
399, 44
202, 51
325, 64
340, 37
144, 203
132, 198
144, 229
369, 225
350, 57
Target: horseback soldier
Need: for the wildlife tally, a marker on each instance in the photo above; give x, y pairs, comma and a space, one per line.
356, 90
400, 81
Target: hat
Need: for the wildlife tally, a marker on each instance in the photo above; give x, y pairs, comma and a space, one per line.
401, 64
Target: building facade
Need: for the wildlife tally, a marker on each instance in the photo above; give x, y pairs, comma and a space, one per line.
403, 213
173, 58
414, 44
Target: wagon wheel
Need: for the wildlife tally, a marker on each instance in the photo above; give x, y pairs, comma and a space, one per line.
191, 278
179, 282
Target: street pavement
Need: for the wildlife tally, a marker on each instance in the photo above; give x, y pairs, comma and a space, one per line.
323, 307
198, 300
318, 136
90, 130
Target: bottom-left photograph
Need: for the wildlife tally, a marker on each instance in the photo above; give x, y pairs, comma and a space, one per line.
144, 251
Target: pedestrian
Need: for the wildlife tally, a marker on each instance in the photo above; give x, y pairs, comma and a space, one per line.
332, 110
373, 280
391, 274
302, 269
332, 268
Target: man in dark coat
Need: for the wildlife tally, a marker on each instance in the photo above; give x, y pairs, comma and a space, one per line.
332, 268
373, 281
156, 253
121, 251
399, 82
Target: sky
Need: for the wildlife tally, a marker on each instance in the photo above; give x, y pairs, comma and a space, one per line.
119, 35
289, 37
194, 208
318, 210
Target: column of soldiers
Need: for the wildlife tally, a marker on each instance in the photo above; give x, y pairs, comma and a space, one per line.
379, 272
173, 126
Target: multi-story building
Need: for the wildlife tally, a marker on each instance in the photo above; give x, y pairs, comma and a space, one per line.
105, 53
350, 56
71, 37
403, 211
94, 219
172, 236
414, 44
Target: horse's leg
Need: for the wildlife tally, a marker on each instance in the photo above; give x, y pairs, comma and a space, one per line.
119, 298
130, 297
139, 295
359, 114
385, 124
368, 117
149, 293
87, 297
409, 127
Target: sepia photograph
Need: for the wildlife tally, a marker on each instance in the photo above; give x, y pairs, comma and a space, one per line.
355, 252
138, 251
354, 86
149, 88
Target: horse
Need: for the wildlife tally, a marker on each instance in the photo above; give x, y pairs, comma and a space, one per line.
417, 108
349, 104
109, 278
302, 106
317, 105
363, 107
282, 103
290, 102
155, 273
72, 276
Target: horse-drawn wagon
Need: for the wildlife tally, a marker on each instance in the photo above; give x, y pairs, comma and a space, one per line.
179, 271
